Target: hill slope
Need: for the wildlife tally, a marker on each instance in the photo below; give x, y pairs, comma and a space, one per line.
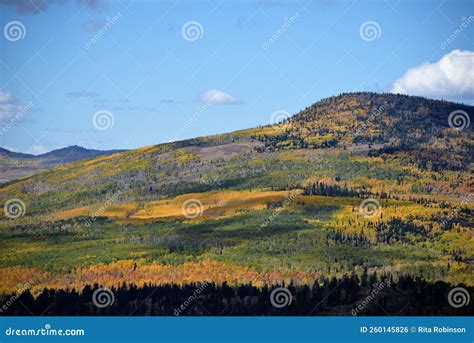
407, 138
344, 187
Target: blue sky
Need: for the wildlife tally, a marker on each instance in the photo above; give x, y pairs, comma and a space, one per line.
248, 60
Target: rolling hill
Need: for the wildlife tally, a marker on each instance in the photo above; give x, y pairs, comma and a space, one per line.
356, 183
362, 139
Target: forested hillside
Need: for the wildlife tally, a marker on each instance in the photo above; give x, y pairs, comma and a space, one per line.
355, 184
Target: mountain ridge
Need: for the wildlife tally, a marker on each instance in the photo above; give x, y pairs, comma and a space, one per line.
406, 132
57, 152
17, 165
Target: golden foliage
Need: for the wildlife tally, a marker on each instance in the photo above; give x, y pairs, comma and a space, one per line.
123, 271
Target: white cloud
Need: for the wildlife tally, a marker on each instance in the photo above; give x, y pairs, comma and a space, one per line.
38, 149
11, 148
8, 108
214, 96
83, 94
452, 77
5, 96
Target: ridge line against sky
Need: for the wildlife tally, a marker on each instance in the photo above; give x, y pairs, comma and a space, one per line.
108, 75
219, 133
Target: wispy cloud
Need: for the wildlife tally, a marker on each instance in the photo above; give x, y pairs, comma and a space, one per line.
248, 22
134, 108
38, 149
67, 130
214, 97
8, 106
274, 3
31, 7
27, 6
92, 4
93, 25
10, 148
5, 96
83, 94
452, 77
168, 101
